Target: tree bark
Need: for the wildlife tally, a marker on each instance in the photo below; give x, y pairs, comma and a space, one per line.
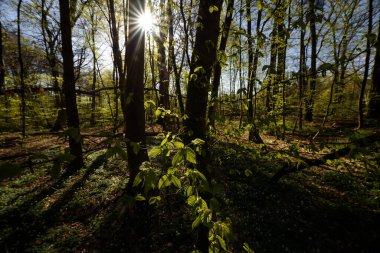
51, 47
253, 58
313, 33
177, 72
163, 74
2, 67
134, 114
281, 59
374, 102
366, 67
22, 71
75, 139
202, 62
94, 75
218, 64
272, 66
203, 59
302, 71
118, 61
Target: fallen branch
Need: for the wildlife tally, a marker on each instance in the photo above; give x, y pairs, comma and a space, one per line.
304, 163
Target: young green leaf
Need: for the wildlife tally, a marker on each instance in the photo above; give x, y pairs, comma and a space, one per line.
155, 151
196, 222
176, 181
191, 156
140, 197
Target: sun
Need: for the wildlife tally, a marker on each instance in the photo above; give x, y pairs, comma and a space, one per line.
146, 21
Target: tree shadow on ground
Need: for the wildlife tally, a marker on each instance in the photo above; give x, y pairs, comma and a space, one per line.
293, 215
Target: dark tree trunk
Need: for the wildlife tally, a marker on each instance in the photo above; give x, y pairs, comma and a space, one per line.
118, 61
281, 58
94, 75
50, 43
2, 67
272, 66
252, 69
202, 62
366, 67
134, 114
177, 72
302, 71
218, 64
374, 102
75, 140
203, 59
22, 72
313, 80
163, 73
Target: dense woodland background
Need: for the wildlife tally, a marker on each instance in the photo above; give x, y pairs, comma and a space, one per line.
185, 125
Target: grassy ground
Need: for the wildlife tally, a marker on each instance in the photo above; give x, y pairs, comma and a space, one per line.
332, 208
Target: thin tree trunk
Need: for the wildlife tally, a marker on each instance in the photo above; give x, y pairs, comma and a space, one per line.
94, 75
240, 69
163, 73
302, 71
253, 58
22, 72
115, 80
2, 67
374, 102
366, 67
281, 59
286, 34
218, 64
272, 66
177, 72
134, 114
118, 61
75, 139
313, 80
50, 43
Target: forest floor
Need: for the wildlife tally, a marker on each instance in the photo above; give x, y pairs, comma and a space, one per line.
334, 207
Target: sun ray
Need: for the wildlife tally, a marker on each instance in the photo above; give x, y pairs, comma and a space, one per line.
146, 21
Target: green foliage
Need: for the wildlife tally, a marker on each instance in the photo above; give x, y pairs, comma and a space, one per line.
213, 8
179, 159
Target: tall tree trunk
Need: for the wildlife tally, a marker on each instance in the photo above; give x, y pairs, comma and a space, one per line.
50, 43
163, 73
272, 66
366, 67
281, 58
2, 67
118, 61
177, 72
134, 114
302, 71
203, 59
75, 140
253, 58
313, 80
374, 102
218, 64
115, 80
94, 75
22, 72
241, 80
